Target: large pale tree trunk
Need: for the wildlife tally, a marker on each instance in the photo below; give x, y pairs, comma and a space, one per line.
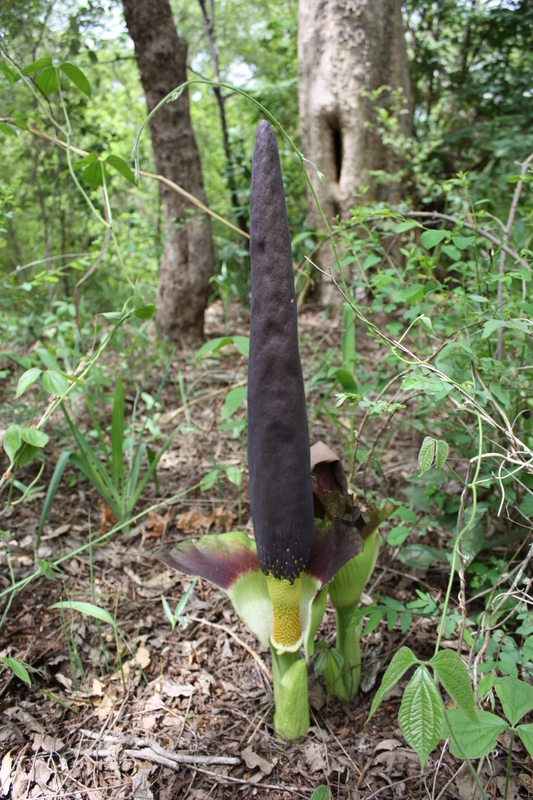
346, 50
187, 262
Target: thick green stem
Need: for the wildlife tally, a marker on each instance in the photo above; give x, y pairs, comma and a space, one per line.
345, 684
291, 717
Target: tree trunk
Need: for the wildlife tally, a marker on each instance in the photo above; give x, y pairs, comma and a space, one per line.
187, 262
347, 49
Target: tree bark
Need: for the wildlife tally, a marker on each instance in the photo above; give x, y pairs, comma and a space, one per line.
187, 262
347, 49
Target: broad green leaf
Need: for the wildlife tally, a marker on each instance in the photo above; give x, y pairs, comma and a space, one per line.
9, 130
397, 535
401, 227
48, 81
526, 734
516, 697
210, 479
26, 455
431, 238
321, 793
93, 174
12, 441
41, 63
426, 321
47, 569
234, 475
89, 609
476, 739
346, 380
420, 556
84, 162
55, 383
462, 242
421, 714
242, 343
371, 260
27, 379
122, 167
232, 402
453, 675
34, 437
441, 453
399, 665
77, 77
492, 325
10, 74
145, 312
426, 454
213, 345
18, 668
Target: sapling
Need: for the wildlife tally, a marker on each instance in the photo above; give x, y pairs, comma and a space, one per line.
277, 583
332, 501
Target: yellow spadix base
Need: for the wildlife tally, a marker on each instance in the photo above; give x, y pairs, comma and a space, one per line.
285, 597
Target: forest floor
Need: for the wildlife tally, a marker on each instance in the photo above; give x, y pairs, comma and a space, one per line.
189, 713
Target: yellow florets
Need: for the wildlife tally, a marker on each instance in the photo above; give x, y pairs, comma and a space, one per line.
285, 598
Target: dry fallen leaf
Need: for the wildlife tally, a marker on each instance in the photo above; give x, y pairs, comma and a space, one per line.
5, 774
252, 760
156, 524
142, 657
191, 521
172, 689
105, 707
96, 690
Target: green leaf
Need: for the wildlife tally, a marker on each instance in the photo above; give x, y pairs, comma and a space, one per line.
47, 569
27, 379
117, 436
441, 453
77, 77
10, 74
50, 494
516, 697
492, 325
462, 242
145, 312
84, 162
426, 321
476, 739
210, 479
89, 609
401, 227
55, 383
453, 675
34, 437
421, 714
9, 130
321, 793
234, 475
26, 455
346, 379
242, 343
232, 402
526, 734
18, 668
168, 613
426, 454
122, 167
370, 261
213, 345
399, 665
420, 556
93, 174
41, 63
12, 441
431, 238
48, 81
397, 535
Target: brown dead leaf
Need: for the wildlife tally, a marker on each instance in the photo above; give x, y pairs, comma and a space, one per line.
142, 657
191, 521
252, 760
107, 520
156, 524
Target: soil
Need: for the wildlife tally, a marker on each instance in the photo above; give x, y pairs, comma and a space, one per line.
187, 713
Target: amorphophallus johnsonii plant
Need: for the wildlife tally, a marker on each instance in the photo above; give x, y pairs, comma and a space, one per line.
276, 584
332, 500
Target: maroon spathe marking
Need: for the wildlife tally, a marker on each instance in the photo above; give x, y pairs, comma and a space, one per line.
332, 548
212, 559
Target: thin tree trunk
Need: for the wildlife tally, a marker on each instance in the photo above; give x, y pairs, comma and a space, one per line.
187, 262
209, 22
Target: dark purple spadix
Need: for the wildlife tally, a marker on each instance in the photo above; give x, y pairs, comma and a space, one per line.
281, 494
